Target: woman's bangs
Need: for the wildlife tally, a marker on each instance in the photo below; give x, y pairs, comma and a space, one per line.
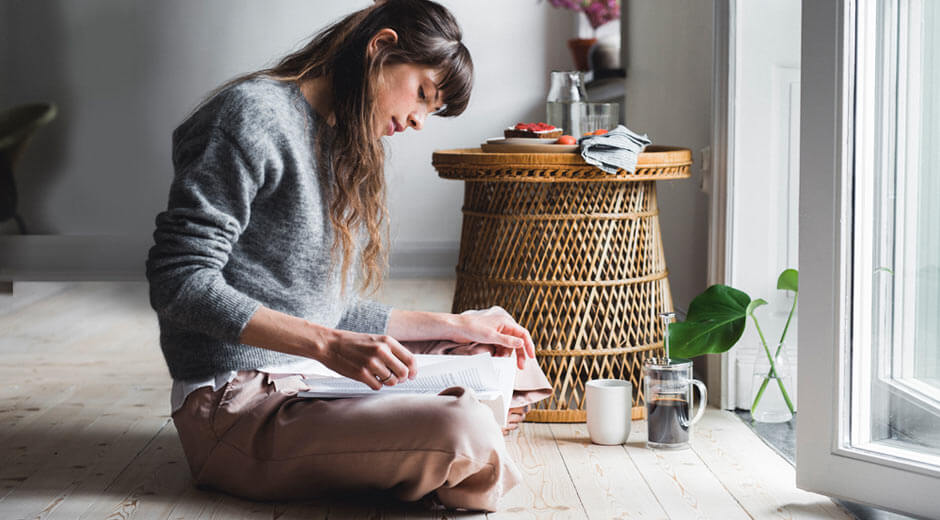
456, 84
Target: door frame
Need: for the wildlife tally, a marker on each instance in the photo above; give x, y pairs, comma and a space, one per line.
720, 182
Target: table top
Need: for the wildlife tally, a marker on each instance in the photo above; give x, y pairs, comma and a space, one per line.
656, 162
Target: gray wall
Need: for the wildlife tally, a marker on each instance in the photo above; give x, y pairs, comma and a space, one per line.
126, 73
669, 96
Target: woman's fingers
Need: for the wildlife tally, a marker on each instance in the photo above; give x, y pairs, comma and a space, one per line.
529, 344
366, 375
391, 367
373, 360
510, 341
515, 418
523, 335
517, 337
407, 358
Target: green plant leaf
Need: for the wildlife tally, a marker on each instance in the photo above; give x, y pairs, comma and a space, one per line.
755, 304
789, 280
714, 323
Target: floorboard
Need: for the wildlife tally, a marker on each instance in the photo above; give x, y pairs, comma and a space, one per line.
149, 486
607, 480
762, 481
85, 433
682, 483
546, 490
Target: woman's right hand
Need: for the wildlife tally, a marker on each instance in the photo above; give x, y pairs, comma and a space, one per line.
372, 359
364, 357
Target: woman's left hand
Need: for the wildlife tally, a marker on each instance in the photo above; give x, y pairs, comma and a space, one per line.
495, 331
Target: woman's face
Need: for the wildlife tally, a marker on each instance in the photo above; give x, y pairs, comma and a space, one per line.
406, 95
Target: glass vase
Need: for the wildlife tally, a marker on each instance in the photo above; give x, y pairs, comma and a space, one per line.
771, 401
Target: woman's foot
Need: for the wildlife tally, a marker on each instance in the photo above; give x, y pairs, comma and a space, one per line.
516, 416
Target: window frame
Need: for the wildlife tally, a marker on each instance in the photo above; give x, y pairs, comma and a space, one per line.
827, 462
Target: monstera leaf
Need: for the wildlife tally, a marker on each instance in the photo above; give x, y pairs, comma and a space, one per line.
789, 280
714, 323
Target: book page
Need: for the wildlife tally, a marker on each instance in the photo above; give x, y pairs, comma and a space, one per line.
506, 379
490, 379
474, 372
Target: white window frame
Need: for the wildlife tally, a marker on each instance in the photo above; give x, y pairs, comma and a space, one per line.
827, 461
903, 379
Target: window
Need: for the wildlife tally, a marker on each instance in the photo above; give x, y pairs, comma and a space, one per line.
870, 253
896, 236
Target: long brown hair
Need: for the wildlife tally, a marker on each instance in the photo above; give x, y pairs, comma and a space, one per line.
428, 35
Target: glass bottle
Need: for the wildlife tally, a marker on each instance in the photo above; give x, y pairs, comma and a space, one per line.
563, 106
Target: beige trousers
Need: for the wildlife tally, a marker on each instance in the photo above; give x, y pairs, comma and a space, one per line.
256, 441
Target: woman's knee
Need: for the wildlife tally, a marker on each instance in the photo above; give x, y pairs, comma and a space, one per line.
467, 424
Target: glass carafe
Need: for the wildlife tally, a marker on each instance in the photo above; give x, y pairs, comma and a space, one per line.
563, 106
667, 388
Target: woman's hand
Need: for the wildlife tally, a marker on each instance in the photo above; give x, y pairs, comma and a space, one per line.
492, 330
371, 359
496, 331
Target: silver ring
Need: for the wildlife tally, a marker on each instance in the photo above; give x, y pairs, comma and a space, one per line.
389, 376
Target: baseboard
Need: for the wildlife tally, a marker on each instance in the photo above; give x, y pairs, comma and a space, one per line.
122, 257
72, 257
423, 259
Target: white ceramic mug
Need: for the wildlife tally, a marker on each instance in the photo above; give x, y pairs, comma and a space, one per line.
609, 410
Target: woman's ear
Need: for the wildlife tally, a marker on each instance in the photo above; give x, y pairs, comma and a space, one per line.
382, 38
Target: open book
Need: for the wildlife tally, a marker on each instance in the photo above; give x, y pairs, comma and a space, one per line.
490, 378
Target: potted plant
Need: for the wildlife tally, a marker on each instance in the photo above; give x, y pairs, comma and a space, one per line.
598, 12
715, 322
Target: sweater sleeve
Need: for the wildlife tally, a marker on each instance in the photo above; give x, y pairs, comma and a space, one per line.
209, 207
365, 316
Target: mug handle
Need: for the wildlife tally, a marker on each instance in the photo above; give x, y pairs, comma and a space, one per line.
703, 401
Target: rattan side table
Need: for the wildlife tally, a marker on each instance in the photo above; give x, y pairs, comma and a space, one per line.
574, 254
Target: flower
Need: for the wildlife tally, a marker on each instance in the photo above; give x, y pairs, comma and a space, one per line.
598, 12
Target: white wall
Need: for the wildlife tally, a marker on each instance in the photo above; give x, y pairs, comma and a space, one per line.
668, 56
765, 188
124, 74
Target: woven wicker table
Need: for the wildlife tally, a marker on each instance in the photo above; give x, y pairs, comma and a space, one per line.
574, 254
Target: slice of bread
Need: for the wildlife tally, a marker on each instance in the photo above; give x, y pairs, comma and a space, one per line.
533, 130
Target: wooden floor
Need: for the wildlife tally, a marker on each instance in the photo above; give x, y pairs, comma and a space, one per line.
85, 433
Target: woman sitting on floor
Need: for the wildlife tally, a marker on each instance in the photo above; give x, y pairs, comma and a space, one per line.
278, 193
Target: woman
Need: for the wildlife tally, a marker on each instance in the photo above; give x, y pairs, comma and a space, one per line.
277, 176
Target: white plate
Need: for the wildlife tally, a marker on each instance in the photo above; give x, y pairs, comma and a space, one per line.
520, 140
503, 147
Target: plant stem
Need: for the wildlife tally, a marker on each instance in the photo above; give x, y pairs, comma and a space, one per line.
787, 325
763, 341
783, 336
772, 372
760, 392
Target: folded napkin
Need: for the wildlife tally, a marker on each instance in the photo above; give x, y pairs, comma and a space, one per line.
614, 151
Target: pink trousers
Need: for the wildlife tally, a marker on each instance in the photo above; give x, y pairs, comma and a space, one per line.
256, 441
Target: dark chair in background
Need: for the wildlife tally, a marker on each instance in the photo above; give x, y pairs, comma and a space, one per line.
17, 126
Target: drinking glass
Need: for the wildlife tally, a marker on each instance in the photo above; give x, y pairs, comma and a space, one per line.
595, 116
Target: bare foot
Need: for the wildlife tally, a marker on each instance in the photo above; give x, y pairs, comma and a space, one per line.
516, 416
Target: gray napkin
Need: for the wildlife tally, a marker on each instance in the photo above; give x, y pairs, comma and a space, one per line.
614, 150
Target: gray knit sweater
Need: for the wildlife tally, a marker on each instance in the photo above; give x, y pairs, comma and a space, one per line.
246, 225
